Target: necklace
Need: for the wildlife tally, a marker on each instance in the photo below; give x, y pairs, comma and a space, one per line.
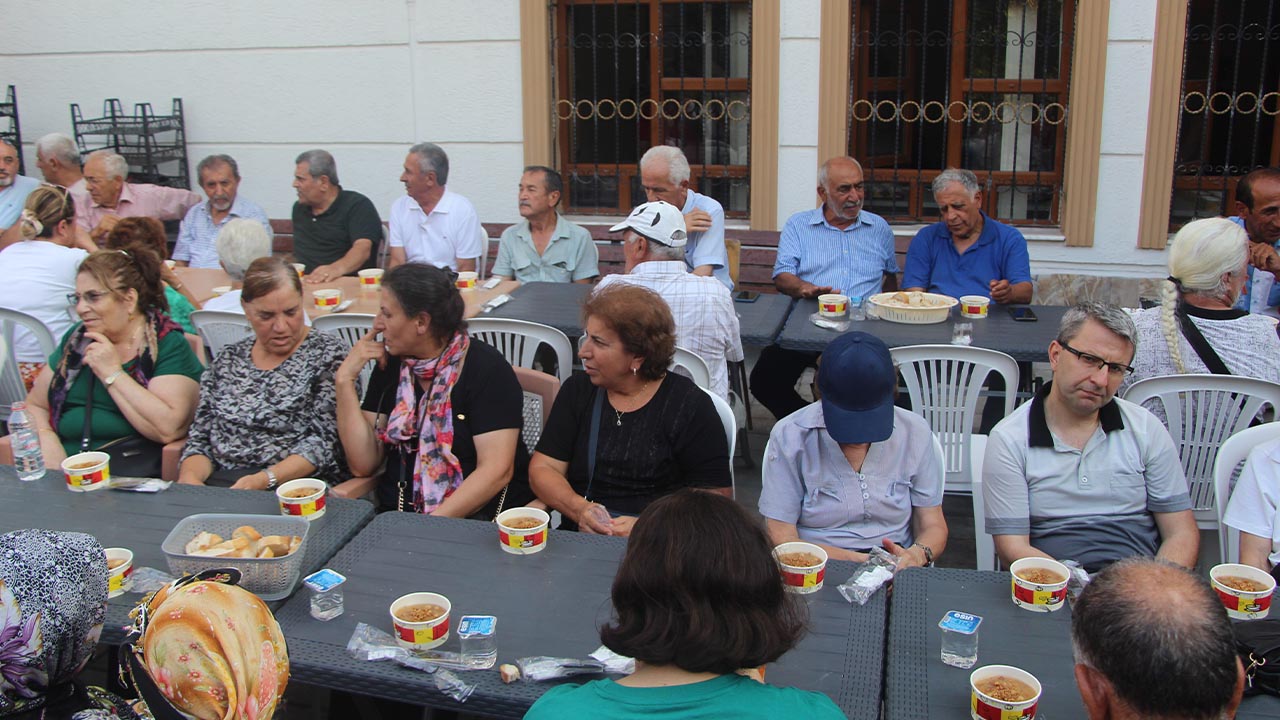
620, 413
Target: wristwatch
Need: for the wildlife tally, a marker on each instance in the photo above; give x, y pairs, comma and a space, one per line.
928, 553
272, 481
108, 380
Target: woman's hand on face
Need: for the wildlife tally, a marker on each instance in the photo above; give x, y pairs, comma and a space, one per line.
100, 355
366, 349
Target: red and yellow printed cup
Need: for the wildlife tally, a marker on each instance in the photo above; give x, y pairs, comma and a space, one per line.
370, 279
467, 280
120, 577
302, 269
294, 502
832, 305
422, 635
974, 306
327, 298
1243, 604
1038, 596
985, 707
523, 540
87, 471
797, 578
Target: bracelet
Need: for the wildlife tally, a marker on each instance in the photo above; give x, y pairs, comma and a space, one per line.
928, 553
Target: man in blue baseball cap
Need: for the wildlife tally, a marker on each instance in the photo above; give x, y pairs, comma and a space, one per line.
852, 472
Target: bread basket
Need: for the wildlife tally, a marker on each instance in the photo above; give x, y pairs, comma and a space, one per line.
887, 309
268, 578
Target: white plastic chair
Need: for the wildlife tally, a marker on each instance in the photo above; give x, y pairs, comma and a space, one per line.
944, 383
693, 367
484, 253
1230, 455
1202, 411
984, 544
12, 389
218, 328
518, 341
349, 327
730, 424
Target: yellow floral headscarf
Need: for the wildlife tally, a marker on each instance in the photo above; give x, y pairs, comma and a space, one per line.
216, 652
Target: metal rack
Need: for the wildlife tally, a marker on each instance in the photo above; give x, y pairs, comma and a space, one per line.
9, 109
154, 145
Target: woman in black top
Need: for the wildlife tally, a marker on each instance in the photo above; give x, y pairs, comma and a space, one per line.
448, 407
656, 432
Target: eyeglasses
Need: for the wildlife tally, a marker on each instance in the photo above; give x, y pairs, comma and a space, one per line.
93, 297
1116, 369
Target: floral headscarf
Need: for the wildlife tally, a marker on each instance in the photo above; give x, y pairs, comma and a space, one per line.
215, 652
53, 601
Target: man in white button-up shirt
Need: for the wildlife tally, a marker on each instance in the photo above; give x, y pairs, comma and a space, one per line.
430, 224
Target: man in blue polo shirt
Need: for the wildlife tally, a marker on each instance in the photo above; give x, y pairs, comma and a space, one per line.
836, 248
1258, 212
967, 252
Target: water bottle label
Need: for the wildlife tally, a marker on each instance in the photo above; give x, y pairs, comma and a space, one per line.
960, 622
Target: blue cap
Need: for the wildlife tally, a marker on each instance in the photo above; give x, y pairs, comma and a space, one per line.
857, 380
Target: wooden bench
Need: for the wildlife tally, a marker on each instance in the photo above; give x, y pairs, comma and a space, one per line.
759, 250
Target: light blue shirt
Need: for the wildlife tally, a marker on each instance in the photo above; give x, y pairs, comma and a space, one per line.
853, 261
14, 198
809, 483
1245, 301
707, 247
198, 235
570, 255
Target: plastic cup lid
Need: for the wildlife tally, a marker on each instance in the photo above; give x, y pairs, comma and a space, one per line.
324, 580
960, 622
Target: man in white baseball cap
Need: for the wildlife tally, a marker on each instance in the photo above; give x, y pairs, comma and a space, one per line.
706, 322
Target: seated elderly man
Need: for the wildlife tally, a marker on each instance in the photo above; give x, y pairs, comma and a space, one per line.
706, 321
336, 232
14, 188
220, 179
664, 174
59, 160
545, 247
111, 197
1152, 641
1080, 474
430, 223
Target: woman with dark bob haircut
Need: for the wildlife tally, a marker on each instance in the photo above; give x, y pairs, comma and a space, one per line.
445, 408
698, 597
627, 432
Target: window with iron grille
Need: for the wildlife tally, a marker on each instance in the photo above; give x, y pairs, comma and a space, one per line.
1230, 100
631, 75
976, 84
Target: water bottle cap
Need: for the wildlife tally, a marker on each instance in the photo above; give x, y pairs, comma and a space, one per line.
21, 405
855, 298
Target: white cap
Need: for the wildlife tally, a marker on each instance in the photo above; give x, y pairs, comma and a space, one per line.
658, 221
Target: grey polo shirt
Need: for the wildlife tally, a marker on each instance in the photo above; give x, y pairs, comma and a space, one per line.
571, 255
1094, 505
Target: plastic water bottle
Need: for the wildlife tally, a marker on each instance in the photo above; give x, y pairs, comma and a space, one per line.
856, 311
26, 444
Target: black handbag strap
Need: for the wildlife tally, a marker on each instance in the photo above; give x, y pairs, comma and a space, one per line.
592, 440
1206, 352
86, 432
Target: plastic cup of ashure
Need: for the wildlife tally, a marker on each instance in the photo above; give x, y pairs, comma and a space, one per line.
120, 577
327, 298
985, 707
467, 280
523, 541
1039, 597
802, 580
833, 305
87, 471
302, 269
221, 290
1243, 604
974, 306
421, 635
310, 506
171, 264
371, 279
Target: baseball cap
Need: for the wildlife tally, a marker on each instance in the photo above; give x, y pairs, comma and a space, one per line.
857, 380
658, 221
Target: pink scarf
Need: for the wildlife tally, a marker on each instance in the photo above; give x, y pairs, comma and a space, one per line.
436, 471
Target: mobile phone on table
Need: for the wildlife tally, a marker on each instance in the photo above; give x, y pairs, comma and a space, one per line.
746, 296
1023, 314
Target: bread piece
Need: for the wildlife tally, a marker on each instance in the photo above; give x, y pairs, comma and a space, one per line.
248, 532
202, 541
278, 544
294, 542
265, 552
509, 673
216, 552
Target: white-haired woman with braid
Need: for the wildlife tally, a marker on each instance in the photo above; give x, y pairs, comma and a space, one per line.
1208, 265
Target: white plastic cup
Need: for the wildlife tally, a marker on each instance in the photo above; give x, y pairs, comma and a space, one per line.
802, 580
1243, 604
833, 305
974, 306
467, 280
983, 706
87, 471
221, 290
1039, 597
311, 506
421, 635
119, 578
371, 279
523, 541
302, 269
328, 298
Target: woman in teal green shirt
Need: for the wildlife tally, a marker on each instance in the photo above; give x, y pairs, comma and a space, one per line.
149, 232
136, 361
698, 598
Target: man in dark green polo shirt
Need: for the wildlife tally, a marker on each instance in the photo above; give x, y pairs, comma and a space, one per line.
335, 232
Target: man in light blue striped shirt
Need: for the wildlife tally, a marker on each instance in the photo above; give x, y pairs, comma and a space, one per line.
838, 247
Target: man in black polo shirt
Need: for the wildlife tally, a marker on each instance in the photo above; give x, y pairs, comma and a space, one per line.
335, 232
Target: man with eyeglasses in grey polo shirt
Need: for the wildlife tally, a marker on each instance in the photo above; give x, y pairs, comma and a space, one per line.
1079, 474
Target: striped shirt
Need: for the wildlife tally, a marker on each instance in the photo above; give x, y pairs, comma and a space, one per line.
852, 261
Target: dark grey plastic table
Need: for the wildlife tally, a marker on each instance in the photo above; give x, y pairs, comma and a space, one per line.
551, 603
763, 319
1025, 341
919, 685
141, 521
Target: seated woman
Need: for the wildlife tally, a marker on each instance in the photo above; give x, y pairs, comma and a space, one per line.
149, 232
127, 356
1254, 508
49, 626
266, 412
653, 432
1208, 265
852, 472
40, 271
239, 243
447, 409
698, 598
